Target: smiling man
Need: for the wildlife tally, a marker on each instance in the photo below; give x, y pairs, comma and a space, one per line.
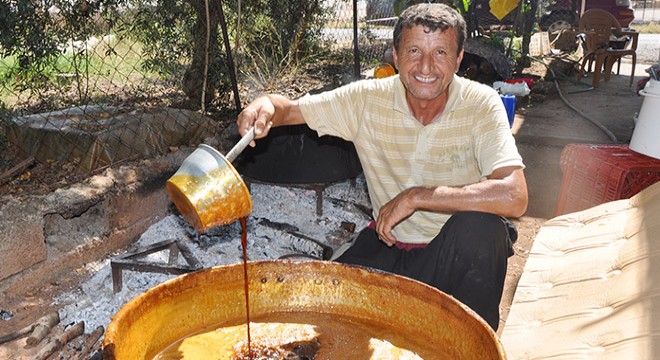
441, 164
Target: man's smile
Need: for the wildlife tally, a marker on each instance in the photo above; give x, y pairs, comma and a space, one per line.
426, 79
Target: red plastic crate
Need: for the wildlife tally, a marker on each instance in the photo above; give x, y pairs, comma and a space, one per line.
596, 174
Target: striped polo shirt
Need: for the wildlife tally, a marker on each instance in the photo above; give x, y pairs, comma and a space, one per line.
463, 145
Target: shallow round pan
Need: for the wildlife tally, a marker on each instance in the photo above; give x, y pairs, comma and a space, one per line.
408, 309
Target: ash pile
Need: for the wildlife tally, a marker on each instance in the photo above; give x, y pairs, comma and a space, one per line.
285, 223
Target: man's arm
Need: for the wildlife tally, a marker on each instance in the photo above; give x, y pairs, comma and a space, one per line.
504, 193
268, 111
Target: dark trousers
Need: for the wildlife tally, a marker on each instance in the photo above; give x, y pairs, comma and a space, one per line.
468, 260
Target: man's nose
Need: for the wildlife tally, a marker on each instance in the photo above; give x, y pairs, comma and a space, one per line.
426, 63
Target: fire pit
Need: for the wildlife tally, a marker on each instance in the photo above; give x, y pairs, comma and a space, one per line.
368, 312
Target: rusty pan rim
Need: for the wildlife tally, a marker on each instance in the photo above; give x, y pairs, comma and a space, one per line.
134, 308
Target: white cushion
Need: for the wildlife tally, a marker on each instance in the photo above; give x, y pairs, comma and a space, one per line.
591, 285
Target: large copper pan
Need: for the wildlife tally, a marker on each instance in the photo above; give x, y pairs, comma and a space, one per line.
187, 304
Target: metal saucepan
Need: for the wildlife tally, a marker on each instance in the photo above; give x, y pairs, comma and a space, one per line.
206, 188
406, 309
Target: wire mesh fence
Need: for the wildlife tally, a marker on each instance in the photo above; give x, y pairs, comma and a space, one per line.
646, 11
89, 84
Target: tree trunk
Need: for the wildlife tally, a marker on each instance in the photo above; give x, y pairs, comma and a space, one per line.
529, 18
193, 79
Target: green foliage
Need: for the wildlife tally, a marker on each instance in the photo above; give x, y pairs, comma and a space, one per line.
514, 47
264, 68
278, 37
399, 6
509, 44
26, 38
5, 116
496, 41
34, 35
294, 26
462, 6
165, 28
526, 6
44, 44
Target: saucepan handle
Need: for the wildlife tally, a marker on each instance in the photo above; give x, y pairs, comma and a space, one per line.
240, 146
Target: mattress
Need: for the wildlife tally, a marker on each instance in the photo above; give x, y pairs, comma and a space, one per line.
591, 285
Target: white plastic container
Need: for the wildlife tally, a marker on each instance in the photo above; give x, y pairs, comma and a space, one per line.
646, 136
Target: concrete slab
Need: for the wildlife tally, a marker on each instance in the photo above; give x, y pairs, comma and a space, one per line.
583, 114
98, 136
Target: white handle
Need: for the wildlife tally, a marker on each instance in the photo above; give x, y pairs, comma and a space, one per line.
240, 146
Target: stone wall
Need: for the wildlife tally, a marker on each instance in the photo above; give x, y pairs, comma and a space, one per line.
44, 237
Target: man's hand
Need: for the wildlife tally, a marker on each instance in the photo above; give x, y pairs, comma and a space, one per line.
266, 112
503, 193
392, 213
258, 114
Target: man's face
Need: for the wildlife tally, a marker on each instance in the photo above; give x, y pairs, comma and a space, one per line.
427, 61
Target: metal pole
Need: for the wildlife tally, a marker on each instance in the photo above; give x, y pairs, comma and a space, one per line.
356, 51
230, 58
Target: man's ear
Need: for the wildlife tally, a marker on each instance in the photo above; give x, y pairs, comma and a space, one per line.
395, 57
459, 59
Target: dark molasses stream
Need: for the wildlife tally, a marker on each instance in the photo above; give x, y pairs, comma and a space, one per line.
245, 282
245, 277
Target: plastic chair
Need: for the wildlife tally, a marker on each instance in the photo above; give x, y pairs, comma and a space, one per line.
596, 27
628, 41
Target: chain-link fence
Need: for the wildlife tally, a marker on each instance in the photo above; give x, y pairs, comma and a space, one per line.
86, 84
646, 11
89, 84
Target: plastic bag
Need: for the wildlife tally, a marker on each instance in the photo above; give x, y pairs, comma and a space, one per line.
518, 89
501, 8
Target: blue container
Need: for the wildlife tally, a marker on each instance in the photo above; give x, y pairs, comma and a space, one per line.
510, 106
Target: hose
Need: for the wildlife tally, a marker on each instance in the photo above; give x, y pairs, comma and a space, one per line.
571, 106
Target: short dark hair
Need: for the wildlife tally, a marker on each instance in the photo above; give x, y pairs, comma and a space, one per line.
433, 17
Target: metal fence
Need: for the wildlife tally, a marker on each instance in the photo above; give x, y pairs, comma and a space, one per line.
646, 11
87, 85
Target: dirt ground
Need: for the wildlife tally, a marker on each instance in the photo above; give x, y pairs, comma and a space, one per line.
544, 124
